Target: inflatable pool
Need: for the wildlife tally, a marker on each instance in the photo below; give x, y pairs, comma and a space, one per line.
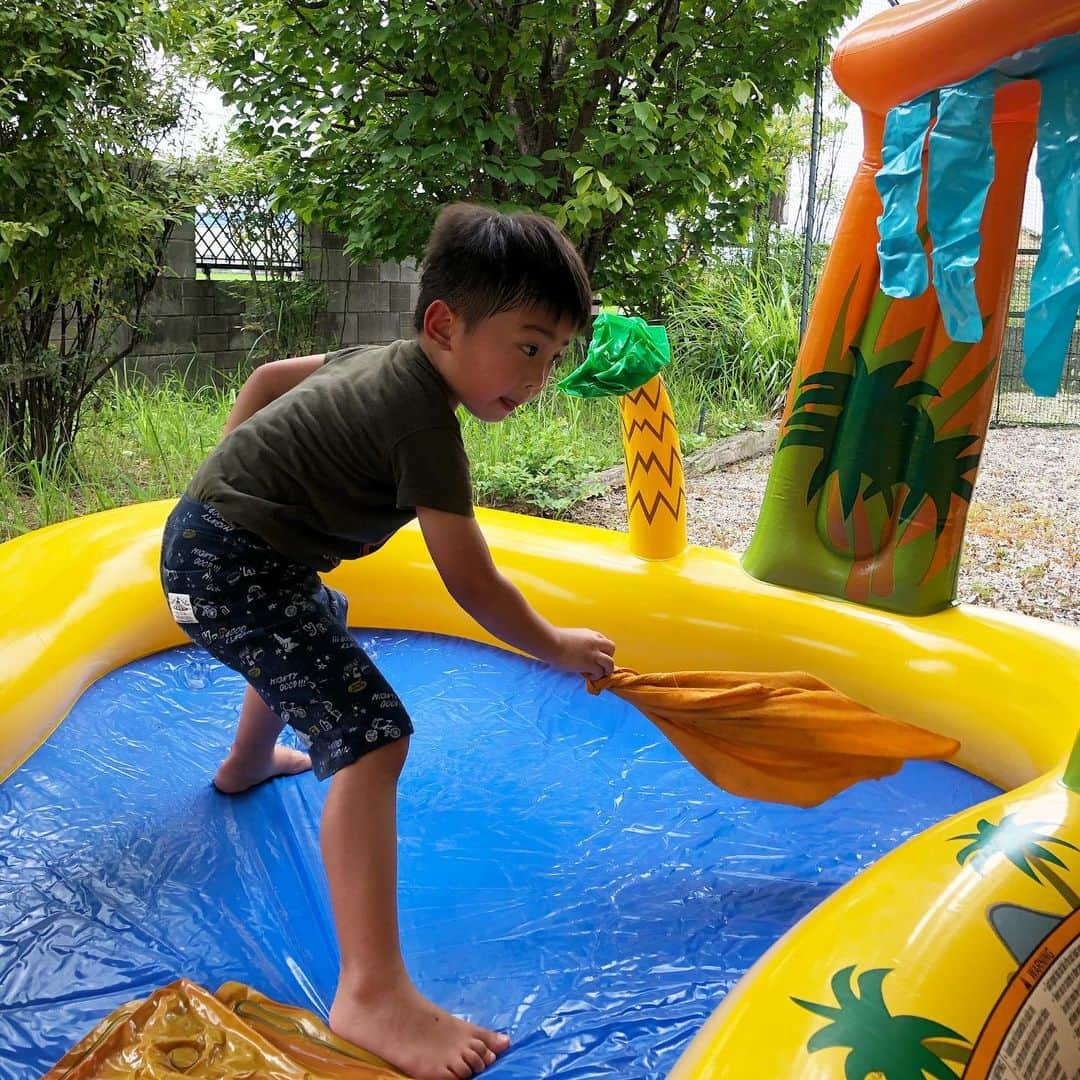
980, 676
1006, 686
956, 954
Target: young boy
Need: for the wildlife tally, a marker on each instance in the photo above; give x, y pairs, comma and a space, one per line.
323, 459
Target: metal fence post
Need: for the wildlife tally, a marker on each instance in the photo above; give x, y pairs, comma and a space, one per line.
811, 192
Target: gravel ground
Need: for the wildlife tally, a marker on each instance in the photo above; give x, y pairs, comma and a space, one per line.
1022, 547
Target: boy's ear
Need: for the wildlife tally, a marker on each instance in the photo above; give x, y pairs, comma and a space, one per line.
440, 320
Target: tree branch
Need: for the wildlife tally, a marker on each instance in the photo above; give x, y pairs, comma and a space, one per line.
297, 8
600, 75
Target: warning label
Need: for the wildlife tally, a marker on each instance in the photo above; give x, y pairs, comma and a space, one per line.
1033, 1032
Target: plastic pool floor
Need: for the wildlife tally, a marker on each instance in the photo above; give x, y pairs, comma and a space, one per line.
565, 875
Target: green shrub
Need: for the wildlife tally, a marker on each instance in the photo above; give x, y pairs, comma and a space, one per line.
543, 457
735, 330
283, 315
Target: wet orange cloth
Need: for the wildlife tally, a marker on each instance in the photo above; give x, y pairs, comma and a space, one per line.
183, 1029
782, 737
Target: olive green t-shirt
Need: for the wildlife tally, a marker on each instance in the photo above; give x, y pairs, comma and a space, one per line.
333, 468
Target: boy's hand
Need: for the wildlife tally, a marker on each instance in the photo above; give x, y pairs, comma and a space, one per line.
584, 651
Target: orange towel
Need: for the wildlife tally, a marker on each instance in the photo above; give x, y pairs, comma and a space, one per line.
183, 1029
780, 737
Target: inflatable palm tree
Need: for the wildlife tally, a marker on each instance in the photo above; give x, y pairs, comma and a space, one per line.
891, 397
624, 360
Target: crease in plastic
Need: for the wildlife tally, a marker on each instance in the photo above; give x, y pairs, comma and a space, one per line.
904, 272
961, 170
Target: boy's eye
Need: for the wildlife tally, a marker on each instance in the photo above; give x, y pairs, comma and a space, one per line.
530, 350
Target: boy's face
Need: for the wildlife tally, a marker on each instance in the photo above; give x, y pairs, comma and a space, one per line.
504, 360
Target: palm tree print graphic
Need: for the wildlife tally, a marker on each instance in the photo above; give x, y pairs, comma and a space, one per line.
882, 1046
938, 473
893, 463
853, 452
1024, 845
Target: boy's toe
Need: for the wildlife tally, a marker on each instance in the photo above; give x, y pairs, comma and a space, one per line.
461, 1070
495, 1041
486, 1054
474, 1060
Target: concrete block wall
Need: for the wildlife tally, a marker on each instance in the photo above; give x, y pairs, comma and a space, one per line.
366, 304
194, 323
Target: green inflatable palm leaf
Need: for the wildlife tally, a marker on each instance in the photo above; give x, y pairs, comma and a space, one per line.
624, 354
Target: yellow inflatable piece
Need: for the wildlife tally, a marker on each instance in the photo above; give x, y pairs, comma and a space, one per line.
957, 953
183, 1030
927, 949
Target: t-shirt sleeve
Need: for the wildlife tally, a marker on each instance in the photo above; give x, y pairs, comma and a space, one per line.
431, 469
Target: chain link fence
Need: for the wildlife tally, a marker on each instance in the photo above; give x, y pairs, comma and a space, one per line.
1014, 402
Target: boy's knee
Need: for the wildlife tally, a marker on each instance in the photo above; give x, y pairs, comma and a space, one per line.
384, 763
392, 755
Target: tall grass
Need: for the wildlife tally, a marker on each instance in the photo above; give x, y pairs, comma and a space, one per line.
733, 333
138, 441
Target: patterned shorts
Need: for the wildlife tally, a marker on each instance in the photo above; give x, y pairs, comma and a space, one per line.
272, 620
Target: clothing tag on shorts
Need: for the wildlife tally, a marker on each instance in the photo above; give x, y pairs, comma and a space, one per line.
180, 605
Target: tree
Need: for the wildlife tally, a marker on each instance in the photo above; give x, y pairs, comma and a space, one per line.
640, 128
86, 207
793, 144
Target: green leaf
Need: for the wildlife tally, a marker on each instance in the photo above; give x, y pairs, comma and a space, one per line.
526, 176
645, 113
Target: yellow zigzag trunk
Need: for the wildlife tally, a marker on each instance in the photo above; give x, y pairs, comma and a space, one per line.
655, 491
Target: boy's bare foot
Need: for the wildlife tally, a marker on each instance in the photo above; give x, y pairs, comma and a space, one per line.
425, 1042
234, 776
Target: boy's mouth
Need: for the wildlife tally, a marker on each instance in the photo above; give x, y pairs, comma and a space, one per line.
509, 403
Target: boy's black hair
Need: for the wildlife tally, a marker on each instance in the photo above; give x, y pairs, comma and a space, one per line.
482, 262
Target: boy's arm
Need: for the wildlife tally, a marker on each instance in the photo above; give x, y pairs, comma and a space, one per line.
270, 381
461, 556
